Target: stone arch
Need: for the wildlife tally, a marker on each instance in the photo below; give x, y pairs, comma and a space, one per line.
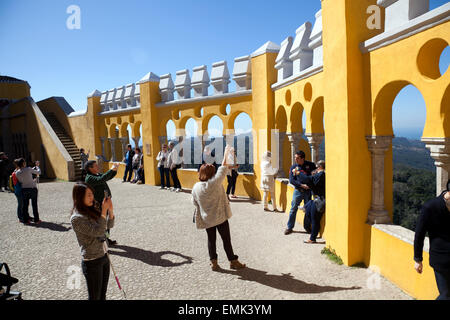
112, 130
123, 130
281, 119
296, 113
382, 108
136, 128
205, 120
216, 131
315, 118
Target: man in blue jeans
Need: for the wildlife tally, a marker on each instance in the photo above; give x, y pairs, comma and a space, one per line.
129, 164
302, 191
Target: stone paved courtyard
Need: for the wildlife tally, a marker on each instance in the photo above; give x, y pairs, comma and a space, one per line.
161, 255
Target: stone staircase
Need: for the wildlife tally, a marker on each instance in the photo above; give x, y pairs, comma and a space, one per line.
67, 141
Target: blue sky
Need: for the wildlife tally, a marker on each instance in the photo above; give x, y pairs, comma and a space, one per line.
120, 41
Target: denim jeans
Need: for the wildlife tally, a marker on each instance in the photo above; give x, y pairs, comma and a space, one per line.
30, 193
20, 213
96, 273
224, 231
311, 223
129, 171
443, 284
296, 200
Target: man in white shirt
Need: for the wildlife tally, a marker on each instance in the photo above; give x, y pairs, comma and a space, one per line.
29, 189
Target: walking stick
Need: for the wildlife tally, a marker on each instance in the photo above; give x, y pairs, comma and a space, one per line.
114, 272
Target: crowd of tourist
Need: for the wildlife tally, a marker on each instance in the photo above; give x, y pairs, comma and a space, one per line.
92, 215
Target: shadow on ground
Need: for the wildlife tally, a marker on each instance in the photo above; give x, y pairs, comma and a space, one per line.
149, 257
285, 282
53, 226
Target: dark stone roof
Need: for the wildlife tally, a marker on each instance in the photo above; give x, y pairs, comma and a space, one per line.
10, 79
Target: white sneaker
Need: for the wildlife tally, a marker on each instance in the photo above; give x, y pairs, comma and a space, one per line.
177, 190
167, 188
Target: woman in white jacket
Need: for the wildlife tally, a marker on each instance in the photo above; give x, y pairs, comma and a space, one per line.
268, 180
212, 210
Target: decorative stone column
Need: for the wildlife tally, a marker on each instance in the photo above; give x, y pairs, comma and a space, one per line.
112, 142
136, 141
314, 140
124, 141
440, 152
102, 141
378, 145
100, 161
294, 139
281, 137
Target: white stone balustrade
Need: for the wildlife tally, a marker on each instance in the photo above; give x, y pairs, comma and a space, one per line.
110, 100
118, 98
316, 40
103, 101
283, 63
400, 12
301, 55
242, 73
220, 77
137, 95
200, 81
183, 84
166, 87
129, 95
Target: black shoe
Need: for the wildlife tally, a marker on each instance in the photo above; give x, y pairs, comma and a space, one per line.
287, 231
112, 242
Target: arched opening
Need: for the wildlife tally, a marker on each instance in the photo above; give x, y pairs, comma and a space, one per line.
243, 142
296, 118
444, 61
432, 59
413, 170
190, 141
170, 130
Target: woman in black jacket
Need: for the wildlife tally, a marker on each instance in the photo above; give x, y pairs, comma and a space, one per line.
316, 182
435, 219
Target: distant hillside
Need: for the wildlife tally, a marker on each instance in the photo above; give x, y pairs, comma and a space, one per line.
412, 153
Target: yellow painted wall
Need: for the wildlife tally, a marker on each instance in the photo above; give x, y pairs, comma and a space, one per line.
394, 258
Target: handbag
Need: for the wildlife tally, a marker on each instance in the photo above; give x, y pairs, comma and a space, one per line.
319, 201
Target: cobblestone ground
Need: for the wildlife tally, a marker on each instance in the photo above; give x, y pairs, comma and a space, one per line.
161, 255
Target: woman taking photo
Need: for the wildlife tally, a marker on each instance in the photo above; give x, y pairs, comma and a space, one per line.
90, 226
212, 210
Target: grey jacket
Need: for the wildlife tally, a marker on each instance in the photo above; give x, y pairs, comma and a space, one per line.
25, 177
90, 234
210, 201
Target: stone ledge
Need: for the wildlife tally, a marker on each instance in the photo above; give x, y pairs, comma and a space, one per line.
402, 234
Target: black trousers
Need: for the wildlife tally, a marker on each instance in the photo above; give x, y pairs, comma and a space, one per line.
165, 178
176, 181
4, 180
232, 182
443, 283
224, 231
129, 171
30, 193
96, 273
